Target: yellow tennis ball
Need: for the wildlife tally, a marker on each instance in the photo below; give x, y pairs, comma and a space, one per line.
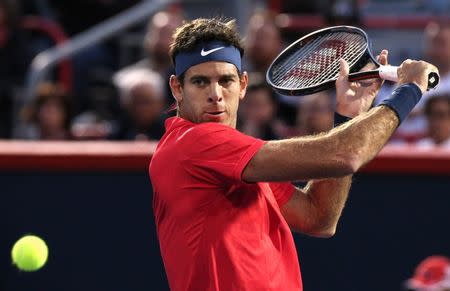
29, 253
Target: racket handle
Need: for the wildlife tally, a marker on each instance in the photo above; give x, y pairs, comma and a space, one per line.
390, 73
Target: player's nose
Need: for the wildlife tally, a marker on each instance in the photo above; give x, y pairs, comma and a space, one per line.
215, 93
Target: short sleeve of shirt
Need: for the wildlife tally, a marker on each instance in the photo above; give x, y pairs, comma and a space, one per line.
216, 153
282, 192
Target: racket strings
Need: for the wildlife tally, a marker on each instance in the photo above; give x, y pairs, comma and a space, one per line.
292, 62
331, 69
310, 60
325, 65
351, 55
318, 60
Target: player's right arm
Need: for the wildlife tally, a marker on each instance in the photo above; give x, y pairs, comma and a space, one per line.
339, 152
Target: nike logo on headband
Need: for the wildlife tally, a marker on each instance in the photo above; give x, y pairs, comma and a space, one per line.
205, 53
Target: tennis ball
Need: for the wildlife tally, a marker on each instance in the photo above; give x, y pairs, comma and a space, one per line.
29, 253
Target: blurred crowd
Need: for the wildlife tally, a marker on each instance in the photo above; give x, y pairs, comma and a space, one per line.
108, 100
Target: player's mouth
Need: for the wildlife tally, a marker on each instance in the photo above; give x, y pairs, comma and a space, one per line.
215, 112
215, 115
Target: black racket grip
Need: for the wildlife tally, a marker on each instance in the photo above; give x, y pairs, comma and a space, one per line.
433, 80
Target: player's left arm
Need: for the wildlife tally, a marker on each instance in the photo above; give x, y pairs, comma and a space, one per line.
315, 210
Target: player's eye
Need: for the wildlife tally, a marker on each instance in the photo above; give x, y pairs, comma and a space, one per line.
199, 82
226, 81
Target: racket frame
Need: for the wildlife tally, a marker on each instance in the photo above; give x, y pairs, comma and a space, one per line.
362, 59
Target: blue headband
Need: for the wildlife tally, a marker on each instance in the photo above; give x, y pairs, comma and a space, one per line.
207, 52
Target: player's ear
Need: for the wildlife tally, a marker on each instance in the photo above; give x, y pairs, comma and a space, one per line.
243, 83
176, 88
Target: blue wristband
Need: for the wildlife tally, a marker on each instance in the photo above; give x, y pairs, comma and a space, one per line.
403, 100
340, 119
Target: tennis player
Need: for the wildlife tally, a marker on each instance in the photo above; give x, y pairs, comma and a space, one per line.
223, 201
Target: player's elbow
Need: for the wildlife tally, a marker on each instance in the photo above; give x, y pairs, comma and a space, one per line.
326, 233
323, 231
321, 228
348, 163
352, 156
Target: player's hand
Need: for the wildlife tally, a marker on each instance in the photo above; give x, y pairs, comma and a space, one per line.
417, 72
353, 98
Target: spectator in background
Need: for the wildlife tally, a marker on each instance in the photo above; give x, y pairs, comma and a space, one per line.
258, 110
436, 51
437, 113
341, 12
143, 103
315, 114
49, 115
101, 117
158, 38
432, 274
156, 44
77, 17
263, 42
14, 58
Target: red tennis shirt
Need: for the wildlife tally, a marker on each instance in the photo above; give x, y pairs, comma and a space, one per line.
217, 232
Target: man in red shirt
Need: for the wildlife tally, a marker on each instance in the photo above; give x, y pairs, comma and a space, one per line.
223, 201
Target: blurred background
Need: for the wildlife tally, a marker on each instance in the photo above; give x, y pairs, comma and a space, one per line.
95, 72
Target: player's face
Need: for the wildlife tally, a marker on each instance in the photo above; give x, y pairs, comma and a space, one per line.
438, 48
211, 93
439, 120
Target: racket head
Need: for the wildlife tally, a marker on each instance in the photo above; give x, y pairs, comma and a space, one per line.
311, 63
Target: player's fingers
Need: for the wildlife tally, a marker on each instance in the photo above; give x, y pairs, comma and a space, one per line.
343, 69
383, 57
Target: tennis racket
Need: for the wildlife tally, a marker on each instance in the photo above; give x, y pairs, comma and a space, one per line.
311, 64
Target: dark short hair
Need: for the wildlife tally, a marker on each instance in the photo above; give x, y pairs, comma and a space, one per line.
433, 99
190, 34
258, 82
47, 92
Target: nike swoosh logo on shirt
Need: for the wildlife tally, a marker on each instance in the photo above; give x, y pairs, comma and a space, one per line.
205, 53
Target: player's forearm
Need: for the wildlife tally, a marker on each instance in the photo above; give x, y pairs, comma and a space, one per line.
351, 145
338, 153
327, 198
364, 136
